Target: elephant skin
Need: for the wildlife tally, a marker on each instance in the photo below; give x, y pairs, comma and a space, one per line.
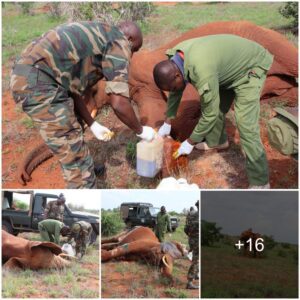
141, 243
151, 101
19, 253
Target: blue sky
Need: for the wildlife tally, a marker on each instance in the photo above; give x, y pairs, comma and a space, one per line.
173, 200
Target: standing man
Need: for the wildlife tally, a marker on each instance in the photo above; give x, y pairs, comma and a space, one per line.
223, 68
81, 233
191, 229
54, 72
55, 209
50, 230
163, 224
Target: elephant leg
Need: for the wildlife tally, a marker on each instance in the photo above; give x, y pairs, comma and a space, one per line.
136, 247
109, 246
115, 238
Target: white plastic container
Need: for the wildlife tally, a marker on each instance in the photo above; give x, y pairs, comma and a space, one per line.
149, 157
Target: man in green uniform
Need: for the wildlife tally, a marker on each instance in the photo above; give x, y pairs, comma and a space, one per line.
51, 77
162, 224
50, 230
191, 229
55, 209
223, 68
81, 233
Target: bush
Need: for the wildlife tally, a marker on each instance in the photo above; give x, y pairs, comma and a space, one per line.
26, 8
55, 10
269, 242
21, 205
285, 245
290, 11
210, 233
107, 12
111, 223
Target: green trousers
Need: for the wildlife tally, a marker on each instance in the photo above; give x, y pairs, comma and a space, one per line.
246, 98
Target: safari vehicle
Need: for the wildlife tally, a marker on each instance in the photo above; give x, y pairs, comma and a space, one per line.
143, 214
25, 214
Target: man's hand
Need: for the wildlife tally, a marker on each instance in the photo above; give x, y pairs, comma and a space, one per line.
100, 132
164, 130
148, 133
185, 149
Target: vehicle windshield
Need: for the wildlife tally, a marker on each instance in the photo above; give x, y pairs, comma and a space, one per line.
154, 211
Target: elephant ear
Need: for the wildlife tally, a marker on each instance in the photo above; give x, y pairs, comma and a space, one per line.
55, 249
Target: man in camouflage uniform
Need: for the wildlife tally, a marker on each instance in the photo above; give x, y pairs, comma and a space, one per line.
192, 230
81, 233
55, 209
50, 230
51, 77
162, 224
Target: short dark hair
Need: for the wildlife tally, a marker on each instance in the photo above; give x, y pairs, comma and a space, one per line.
163, 74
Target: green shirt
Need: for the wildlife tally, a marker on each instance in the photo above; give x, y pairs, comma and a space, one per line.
214, 62
53, 227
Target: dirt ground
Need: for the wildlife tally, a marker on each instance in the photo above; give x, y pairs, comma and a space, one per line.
122, 279
223, 169
81, 280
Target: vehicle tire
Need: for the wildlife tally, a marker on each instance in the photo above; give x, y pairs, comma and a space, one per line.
93, 237
7, 227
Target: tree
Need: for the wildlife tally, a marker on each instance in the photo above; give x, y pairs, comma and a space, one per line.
210, 233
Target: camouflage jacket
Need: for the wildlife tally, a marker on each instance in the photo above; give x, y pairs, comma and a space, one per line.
77, 55
54, 211
79, 228
191, 227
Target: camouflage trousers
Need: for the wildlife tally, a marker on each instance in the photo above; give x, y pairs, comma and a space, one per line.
52, 110
82, 241
194, 267
246, 98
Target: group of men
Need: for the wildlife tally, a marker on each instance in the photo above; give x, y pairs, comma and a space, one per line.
191, 229
53, 73
52, 227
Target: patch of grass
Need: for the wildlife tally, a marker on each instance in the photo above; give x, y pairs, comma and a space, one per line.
51, 279
185, 16
131, 151
176, 293
28, 123
19, 30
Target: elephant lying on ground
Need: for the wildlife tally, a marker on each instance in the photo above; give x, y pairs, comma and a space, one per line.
141, 243
151, 101
19, 253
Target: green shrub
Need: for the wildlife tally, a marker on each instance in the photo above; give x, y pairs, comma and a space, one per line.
269, 242
21, 205
285, 245
210, 233
26, 8
107, 12
111, 223
290, 11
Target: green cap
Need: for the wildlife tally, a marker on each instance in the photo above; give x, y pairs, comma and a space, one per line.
283, 131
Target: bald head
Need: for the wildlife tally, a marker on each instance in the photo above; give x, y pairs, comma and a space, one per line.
167, 76
133, 33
